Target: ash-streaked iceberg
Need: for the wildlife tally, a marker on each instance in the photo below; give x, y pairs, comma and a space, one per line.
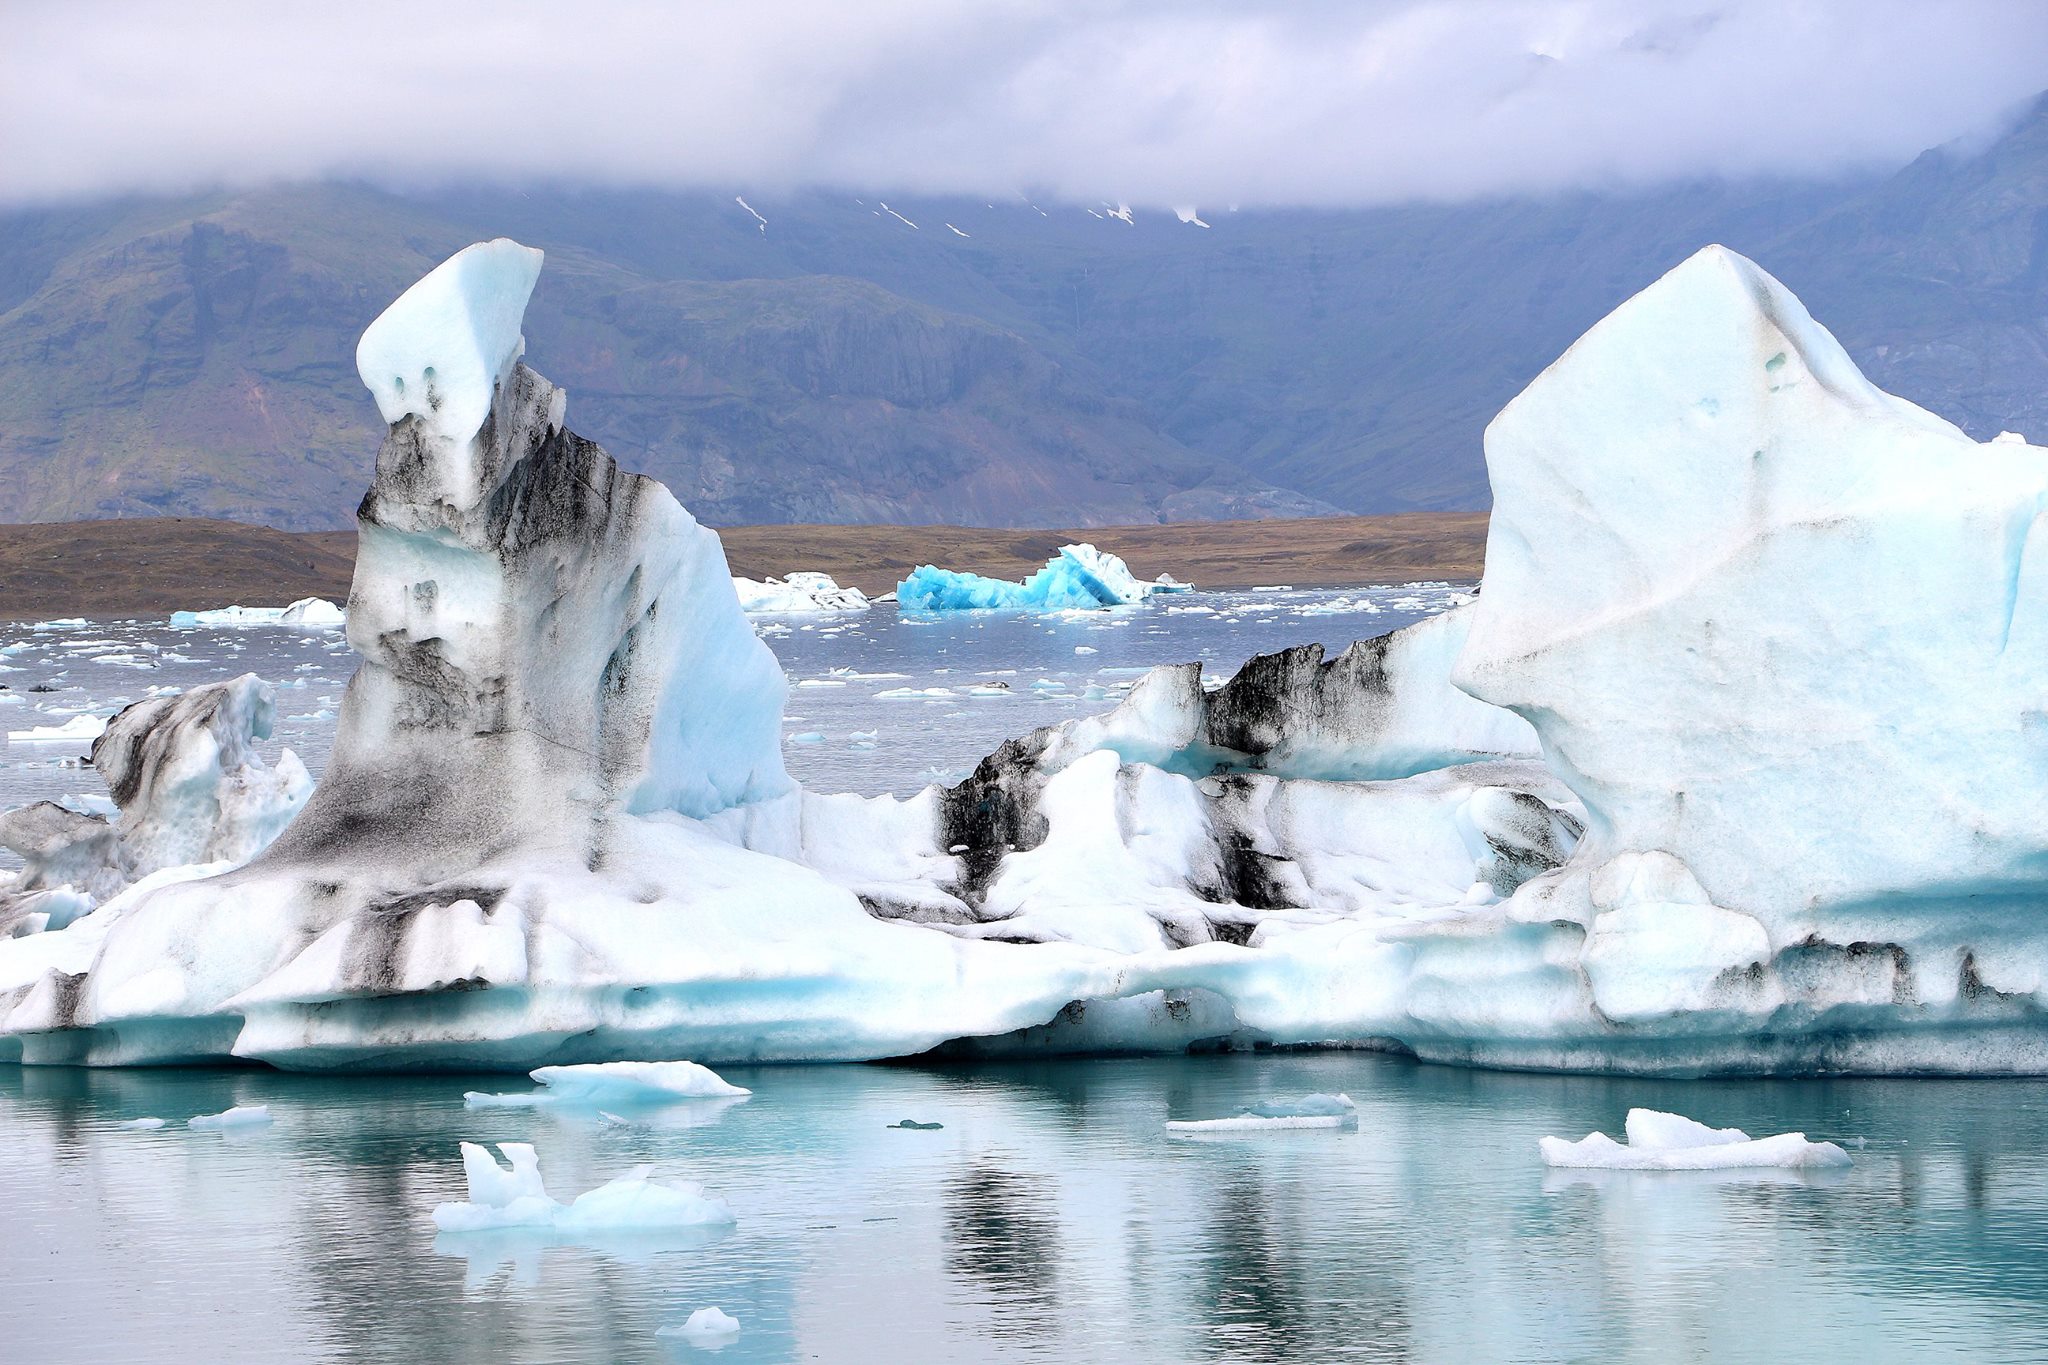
188, 787
1734, 765
1077, 577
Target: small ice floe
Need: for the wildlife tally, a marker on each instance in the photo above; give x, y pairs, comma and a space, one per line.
1085, 649
808, 737
1671, 1142
144, 1125
614, 1084
706, 1325
1310, 1111
75, 729
514, 1196
241, 1116
913, 693
310, 612
915, 1125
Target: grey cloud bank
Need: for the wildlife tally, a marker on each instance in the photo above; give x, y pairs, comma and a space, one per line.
1151, 103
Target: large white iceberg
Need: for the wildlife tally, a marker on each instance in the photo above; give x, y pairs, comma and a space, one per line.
1734, 765
1078, 577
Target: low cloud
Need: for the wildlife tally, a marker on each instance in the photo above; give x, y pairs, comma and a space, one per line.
1153, 102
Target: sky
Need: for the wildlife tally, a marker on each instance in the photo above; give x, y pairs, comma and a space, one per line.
1158, 103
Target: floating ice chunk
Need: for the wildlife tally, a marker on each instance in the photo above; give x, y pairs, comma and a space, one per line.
1079, 576
801, 594
144, 1125
1310, 1111
77, 728
241, 1116
614, 1084
707, 1324
310, 612
314, 611
1672, 1142
514, 1196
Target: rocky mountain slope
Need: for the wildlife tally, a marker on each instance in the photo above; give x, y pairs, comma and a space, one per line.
829, 358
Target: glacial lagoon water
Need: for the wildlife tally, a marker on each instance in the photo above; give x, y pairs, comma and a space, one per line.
1051, 1218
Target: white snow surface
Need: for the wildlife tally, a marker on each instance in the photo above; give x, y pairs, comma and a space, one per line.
1078, 577
514, 1196
1672, 1142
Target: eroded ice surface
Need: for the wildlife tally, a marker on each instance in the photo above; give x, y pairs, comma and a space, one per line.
1672, 1142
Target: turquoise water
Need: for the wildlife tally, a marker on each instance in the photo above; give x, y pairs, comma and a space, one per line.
1049, 1220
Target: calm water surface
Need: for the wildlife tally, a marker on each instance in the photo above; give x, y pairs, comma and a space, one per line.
1050, 1220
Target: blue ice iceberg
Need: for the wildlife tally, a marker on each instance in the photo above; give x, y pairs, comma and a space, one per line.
1079, 576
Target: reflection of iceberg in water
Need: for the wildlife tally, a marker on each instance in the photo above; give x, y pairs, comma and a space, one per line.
1048, 1221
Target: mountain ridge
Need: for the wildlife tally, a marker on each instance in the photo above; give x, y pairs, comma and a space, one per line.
997, 364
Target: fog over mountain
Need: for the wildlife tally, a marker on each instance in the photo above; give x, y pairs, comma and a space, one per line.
1015, 265
1152, 102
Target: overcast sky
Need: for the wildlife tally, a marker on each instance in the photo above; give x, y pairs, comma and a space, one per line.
1152, 103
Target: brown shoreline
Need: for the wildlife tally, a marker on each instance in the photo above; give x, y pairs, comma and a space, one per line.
150, 565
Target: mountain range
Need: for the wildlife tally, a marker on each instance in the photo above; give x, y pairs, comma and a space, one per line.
841, 357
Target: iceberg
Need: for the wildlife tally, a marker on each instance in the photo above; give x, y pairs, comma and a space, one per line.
1733, 766
800, 594
241, 1116
71, 731
1078, 577
1310, 1111
617, 1084
514, 1196
704, 1325
312, 613
1672, 1142
188, 788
